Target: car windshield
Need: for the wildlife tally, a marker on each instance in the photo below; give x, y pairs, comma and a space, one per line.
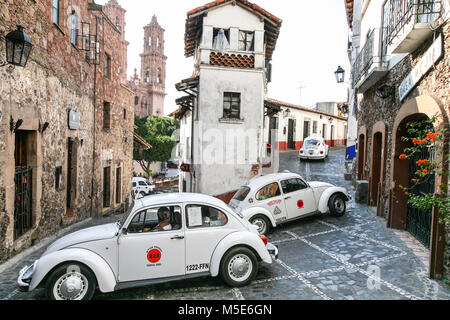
312, 142
241, 194
126, 215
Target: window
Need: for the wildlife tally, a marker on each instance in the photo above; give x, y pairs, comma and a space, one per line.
231, 105
221, 39
147, 76
159, 76
107, 62
314, 127
269, 191
241, 194
136, 100
246, 41
73, 34
55, 11
198, 216
292, 185
106, 115
156, 220
124, 114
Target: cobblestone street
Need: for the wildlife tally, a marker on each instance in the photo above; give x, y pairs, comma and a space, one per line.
354, 257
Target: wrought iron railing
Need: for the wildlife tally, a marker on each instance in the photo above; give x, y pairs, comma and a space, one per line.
402, 12
23, 215
364, 60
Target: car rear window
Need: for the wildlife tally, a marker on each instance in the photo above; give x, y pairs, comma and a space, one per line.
241, 194
312, 142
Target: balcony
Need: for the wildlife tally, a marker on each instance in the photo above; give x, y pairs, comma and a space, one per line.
368, 67
410, 23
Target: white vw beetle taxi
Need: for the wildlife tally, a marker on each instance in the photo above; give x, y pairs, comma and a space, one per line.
160, 238
268, 201
314, 148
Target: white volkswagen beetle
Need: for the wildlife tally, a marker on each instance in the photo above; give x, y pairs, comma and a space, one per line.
314, 148
161, 238
268, 201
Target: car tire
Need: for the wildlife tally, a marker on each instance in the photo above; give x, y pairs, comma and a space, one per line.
262, 223
239, 267
337, 205
71, 281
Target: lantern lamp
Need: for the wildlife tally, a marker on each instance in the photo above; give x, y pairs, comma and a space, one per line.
18, 48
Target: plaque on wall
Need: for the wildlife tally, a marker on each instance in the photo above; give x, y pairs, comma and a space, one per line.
74, 120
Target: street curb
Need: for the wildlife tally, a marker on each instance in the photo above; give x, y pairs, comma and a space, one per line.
44, 242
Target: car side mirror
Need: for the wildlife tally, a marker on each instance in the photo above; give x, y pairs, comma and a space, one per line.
124, 230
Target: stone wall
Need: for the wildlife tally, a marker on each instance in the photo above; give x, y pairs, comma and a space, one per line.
56, 79
373, 108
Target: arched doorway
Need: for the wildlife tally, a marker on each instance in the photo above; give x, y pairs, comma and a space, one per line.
361, 153
377, 167
416, 109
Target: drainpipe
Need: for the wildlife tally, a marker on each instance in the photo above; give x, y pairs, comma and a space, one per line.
94, 103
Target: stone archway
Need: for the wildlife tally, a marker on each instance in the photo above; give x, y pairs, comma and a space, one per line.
377, 167
418, 108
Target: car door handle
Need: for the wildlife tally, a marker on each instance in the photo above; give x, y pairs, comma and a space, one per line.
287, 198
177, 238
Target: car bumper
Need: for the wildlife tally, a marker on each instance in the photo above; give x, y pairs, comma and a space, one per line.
313, 157
273, 251
25, 276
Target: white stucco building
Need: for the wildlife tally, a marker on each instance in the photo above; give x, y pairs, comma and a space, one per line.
222, 127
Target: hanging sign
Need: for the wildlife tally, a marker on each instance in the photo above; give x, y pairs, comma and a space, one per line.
430, 57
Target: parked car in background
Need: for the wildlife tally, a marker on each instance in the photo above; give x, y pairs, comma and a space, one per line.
143, 186
160, 238
268, 201
314, 148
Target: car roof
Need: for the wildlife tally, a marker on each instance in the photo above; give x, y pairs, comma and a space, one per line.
266, 179
168, 198
314, 137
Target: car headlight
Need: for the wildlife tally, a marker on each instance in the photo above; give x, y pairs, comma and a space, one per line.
28, 274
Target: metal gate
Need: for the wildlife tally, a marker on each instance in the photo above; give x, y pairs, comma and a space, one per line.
418, 222
23, 214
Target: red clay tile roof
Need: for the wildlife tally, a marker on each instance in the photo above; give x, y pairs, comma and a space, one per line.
245, 2
278, 103
349, 10
194, 24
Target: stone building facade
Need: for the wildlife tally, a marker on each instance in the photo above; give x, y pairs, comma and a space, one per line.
66, 121
149, 87
405, 80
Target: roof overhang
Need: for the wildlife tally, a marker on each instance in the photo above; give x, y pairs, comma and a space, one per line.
349, 6
194, 25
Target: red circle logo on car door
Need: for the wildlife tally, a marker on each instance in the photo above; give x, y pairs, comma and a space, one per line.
154, 255
300, 204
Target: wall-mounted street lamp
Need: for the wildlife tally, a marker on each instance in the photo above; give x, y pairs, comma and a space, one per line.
340, 75
18, 49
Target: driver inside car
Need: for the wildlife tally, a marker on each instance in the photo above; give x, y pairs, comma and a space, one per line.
164, 220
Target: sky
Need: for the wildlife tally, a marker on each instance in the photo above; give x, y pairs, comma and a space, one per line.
311, 45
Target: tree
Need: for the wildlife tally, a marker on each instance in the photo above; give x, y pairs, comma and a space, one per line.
157, 131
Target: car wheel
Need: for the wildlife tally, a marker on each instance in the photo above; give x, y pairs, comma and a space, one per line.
239, 267
262, 223
71, 281
337, 205
143, 193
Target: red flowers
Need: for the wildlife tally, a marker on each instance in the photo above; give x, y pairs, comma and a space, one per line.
432, 136
419, 141
422, 162
415, 180
402, 157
